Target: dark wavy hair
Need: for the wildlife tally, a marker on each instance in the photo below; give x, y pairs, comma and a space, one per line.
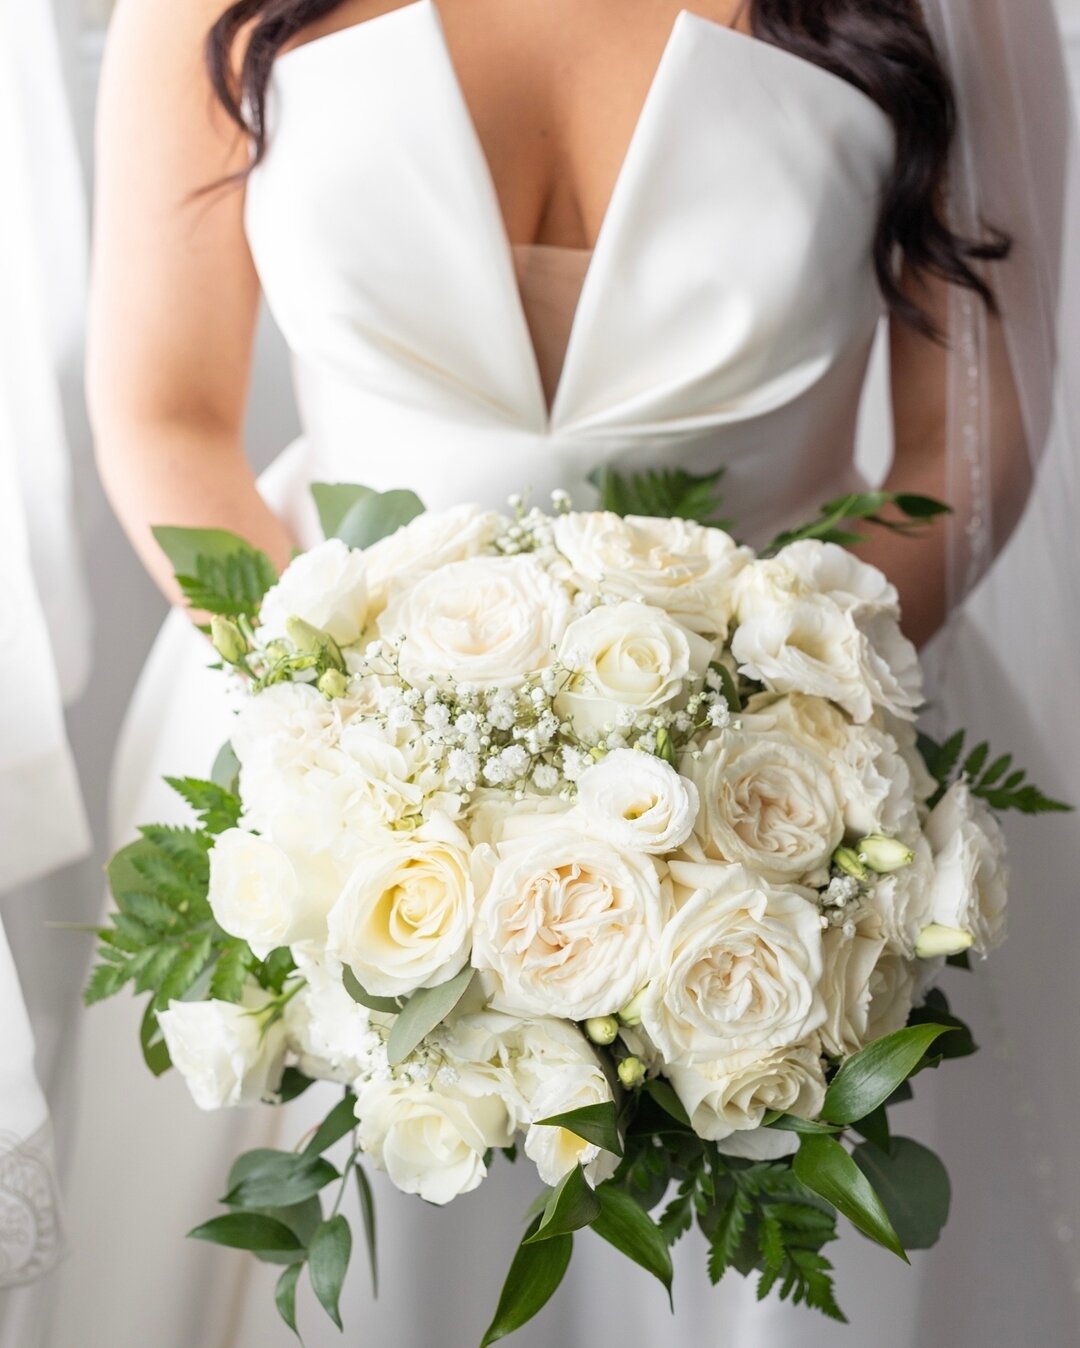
881, 47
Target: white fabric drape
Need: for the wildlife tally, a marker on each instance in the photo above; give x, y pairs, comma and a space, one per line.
44, 625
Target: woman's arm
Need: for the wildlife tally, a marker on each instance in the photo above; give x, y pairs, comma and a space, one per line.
919, 375
174, 293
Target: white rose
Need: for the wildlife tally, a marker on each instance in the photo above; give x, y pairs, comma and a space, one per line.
567, 924
223, 1053
814, 619
404, 918
333, 1037
970, 886
488, 621
739, 967
556, 1151
430, 1139
495, 816
626, 656
769, 803
901, 900
674, 564
892, 995
255, 894
724, 1097
326, 587
846, 983
430, 541
872, 775
637, 802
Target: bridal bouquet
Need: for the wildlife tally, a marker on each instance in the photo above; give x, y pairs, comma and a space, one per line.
589, 835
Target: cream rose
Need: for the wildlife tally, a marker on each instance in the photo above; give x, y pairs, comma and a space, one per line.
769, 803
893, 986
255, 894
224, 1051
430, 1139
637, 802
628, 656
567, 924
427, 543
684, 568
724, 1097
739, 967
846, 984
487, 621
404, 918
326, 587
970, 886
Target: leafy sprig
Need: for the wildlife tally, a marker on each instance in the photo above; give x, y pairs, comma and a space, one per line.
665, 493
218, 572
991, 778
915, 513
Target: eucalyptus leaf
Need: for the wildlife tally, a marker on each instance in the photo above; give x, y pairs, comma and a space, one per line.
248, 1231
328, 1262
626, 1225
869, 1077
572, 1205
285, 1296
424, 1010
913, 1185
334, 500
377, 516
534, 1277
338, 1124
598, 1124
359, 994
823, 1165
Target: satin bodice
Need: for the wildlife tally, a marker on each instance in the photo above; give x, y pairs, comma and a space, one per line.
724, 316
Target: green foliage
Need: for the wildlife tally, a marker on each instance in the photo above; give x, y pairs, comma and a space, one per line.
425, 1009
535, 1274
867, 1079
914, 512
218, 572
249, 1231
624, 1223
367, 1214
935, 1011
285, 1296
338, 1124
360, 516
823, 1165
913, 1185
598, 1124
665, 493
996, 782
572, 1205
391, 1005
279, 1179
328, 1262
217, 808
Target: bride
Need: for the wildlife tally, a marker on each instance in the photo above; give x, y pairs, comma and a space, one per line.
509, 242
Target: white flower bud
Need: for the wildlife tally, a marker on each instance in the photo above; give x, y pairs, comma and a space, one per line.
631, 1072
631, 1012
332, 683
936, 940
884, 855
846, 860
228, 639
602, 1030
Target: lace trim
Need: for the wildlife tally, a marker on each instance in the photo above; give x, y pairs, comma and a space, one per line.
31, 1240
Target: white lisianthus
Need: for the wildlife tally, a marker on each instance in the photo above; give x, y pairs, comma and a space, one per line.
814, 619
725, 1096
556, 1151
674, 564
738, 970
769, 803
404, 918
430, 541
567, 924
431, 1139
970, 887
846, 983
626, 655
225, 1052
486, 621
638, 802
326, 587
255, 894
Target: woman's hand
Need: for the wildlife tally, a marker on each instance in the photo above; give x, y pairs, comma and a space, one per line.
174, 292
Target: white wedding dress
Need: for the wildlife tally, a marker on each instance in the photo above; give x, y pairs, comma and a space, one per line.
726, 317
